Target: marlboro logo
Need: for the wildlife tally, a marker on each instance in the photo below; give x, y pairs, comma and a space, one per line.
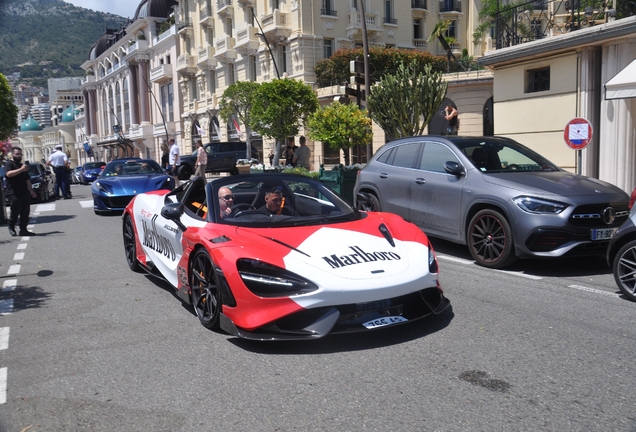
359, 257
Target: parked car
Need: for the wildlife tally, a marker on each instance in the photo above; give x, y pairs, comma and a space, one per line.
122, 179
222, 157
42, 181
76, 174
493, 194
621, 256
314, 267
90, 171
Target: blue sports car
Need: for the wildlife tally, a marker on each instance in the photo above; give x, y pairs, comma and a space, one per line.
90, 171
122, 179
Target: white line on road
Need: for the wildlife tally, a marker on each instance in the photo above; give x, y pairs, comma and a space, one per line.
45, 207
6, 307
30, 227
593, 290
86, 204
18, 256
4, 338
3, 385
22, 246
469, 262
14, 269
9, 284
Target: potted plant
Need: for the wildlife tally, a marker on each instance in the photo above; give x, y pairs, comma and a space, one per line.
243, 166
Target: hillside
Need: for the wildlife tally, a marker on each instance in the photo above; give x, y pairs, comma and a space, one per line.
48, 38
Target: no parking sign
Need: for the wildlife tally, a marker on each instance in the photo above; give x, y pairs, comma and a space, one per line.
578, 133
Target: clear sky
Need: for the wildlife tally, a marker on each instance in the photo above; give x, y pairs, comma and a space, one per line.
125, 8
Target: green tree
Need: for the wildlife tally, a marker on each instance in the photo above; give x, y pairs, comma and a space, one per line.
404, 103
8, 110
237, 100
439, 33
280, 107
341, 126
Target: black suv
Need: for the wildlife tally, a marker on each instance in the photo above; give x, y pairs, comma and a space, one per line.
222, 157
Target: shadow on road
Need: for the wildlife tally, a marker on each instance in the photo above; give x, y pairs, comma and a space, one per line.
54, 218
26, 297
372, 339
563, 267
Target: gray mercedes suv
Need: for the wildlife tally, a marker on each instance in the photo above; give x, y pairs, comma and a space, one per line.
493, 194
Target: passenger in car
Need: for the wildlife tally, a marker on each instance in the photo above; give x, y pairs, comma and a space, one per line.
275, 204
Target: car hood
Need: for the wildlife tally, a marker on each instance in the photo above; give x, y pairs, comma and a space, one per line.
132, 185
354, 251
554, 183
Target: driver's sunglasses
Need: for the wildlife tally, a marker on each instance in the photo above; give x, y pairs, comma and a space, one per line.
228, 197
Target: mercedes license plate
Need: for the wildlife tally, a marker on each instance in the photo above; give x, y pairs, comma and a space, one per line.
384, 321
602, 234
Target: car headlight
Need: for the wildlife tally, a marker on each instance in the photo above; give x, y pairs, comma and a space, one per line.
432, 261
106, 188
539, 206
36, 185
266, 280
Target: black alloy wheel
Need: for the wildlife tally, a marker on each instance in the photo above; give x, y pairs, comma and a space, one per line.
372, 206
185, 172
625, 270
490, 239
130, 245
205, 290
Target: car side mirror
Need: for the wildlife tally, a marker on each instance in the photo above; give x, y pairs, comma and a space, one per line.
173, 212
453, 168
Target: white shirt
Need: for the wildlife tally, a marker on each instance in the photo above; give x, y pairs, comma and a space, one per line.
58, 158
174, 158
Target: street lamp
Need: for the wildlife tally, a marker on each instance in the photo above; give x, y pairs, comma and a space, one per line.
264, 38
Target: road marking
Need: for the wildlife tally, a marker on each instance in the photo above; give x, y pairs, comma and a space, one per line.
45, 207
22, 246
9, 284
14, 269
30, 227
3, 385
469, 262
86, 204
593, 290
6, 307
4, 338
25, 238
457, 260
18, 256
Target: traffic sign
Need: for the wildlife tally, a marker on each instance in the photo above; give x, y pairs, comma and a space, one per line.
578, 133
357, 67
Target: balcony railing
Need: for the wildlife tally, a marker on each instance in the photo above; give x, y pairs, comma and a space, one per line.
420, 44
328, 12
418, 4
388, 20
450, 6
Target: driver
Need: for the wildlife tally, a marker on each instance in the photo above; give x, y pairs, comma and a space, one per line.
226, 201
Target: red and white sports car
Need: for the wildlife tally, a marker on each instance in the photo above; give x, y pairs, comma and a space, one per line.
278, 256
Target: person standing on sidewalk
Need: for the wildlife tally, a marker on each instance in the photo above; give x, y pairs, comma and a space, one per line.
174, 161
202, 160
19, 186
302, 155
59, 161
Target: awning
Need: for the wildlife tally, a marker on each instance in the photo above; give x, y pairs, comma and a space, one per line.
623, 85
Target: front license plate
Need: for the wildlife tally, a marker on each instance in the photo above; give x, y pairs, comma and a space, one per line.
384, 321
602, 234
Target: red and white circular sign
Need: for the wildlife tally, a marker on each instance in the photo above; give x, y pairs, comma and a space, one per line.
578, 133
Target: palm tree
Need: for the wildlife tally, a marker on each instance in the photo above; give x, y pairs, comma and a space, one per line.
439, 32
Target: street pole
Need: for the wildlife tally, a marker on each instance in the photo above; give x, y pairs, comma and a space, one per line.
367, 77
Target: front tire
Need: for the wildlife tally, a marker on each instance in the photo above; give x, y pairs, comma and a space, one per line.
205, 290
625, 270
490, 239
130, 245
372, 206
185, 172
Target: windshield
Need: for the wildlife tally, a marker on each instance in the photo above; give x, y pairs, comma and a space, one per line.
93, 165
131, 168
503, 156
277, 200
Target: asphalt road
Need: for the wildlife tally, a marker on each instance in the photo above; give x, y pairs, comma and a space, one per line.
85, 344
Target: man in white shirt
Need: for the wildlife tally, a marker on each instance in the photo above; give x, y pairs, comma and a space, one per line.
174, 161
302, 154
59, 161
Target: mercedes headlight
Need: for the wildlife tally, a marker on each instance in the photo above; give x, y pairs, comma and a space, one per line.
539, 206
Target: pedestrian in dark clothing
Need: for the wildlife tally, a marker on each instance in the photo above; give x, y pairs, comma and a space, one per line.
165, 156
19, 187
